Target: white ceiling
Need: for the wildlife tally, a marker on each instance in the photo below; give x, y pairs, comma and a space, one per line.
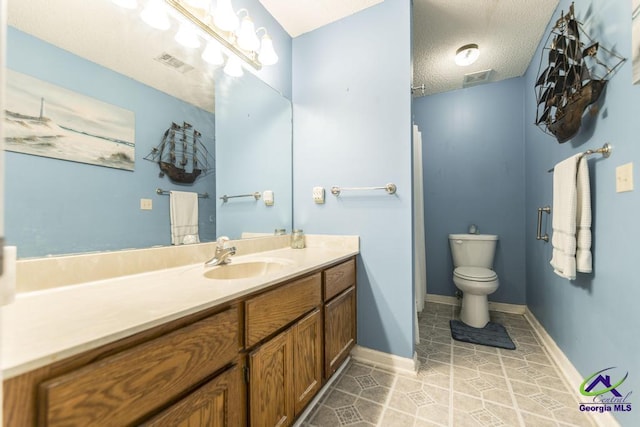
507, 31
301, 16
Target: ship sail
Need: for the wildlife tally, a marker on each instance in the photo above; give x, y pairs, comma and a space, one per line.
572, 79
181, 154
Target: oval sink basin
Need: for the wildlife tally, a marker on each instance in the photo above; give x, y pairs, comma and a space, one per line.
244, 270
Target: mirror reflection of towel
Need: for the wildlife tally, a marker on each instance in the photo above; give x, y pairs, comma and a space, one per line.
183, 209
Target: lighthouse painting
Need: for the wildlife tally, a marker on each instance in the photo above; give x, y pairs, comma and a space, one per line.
46, 120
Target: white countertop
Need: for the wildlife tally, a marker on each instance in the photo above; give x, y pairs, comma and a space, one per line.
42, 327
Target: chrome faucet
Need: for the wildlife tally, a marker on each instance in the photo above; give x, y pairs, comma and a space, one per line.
222, 254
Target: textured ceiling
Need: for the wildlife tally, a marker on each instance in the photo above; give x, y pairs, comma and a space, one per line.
116, 38
301, 16
506, 31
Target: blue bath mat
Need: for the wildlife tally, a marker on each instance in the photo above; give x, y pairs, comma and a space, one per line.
494, 334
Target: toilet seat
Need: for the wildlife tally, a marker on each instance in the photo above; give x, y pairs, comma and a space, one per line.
476, 274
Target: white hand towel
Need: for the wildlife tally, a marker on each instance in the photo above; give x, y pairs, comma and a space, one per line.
564, 210
583, 218
183, 209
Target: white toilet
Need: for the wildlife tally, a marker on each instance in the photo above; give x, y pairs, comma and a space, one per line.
472, 261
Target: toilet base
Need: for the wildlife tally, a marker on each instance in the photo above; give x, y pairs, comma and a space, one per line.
475, 310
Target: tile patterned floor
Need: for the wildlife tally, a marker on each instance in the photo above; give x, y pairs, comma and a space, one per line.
458, 384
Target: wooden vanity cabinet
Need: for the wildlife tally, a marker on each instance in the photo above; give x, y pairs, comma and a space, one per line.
285, 372
260, 361
339, 314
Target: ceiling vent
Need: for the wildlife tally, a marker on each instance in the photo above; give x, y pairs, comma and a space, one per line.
473, 79
173, 62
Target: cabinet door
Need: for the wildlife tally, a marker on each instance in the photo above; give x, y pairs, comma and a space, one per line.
218, 403
339, 329
307, 359
271, 382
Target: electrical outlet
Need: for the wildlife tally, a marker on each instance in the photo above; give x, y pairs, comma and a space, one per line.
624, 178
146, 204
318, 195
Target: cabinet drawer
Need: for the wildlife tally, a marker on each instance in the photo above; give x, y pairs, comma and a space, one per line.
123, 388
270, 311
339, 278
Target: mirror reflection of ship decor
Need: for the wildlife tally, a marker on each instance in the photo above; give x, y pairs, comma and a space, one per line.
181, 155
573, 79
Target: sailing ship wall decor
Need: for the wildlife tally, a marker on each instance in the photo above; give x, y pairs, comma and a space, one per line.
181, 155
573, 78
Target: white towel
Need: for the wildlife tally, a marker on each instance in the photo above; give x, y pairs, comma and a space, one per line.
583, 218
183, 209
571, 218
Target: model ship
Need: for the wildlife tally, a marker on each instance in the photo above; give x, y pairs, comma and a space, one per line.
574, 78
181, 155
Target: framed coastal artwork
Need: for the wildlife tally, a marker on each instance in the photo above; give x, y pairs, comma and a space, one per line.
635, 42
46, 120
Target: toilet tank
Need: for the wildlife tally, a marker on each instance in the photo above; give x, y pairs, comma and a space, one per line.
474, 250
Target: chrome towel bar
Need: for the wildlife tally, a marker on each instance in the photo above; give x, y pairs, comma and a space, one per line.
166, 192
255, 195
605, 150
389, 188
547, 210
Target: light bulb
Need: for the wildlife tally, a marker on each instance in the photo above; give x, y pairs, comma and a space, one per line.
187, 36
127, 4
154, 14
225, 18
212, 54
247, 38
233, 67
267, 55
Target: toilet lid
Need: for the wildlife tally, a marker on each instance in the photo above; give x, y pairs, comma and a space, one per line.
479, 274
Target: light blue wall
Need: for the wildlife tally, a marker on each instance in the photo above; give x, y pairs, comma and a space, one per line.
56, 206
594, 319
473, 160
352, 127
253, 152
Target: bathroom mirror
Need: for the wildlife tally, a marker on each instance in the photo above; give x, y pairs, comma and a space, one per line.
99, 52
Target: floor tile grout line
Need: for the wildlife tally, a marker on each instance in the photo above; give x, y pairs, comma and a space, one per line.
385, 406
511, 392
451, 410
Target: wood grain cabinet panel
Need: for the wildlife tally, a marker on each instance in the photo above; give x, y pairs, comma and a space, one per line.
307, 359
339, 278
268, 312
339, 330
124, 388
218, 403
271, 382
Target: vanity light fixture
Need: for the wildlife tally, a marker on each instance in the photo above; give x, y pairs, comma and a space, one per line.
233, 67
221, 30
267, 55
155, 15
247, 38
187, 36
467, 54
213, 54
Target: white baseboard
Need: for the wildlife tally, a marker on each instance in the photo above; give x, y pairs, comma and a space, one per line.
571, 375
494, 306
385, 360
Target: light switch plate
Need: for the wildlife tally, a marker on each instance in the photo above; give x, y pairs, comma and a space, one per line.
146, 204
624, 178
318, 195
